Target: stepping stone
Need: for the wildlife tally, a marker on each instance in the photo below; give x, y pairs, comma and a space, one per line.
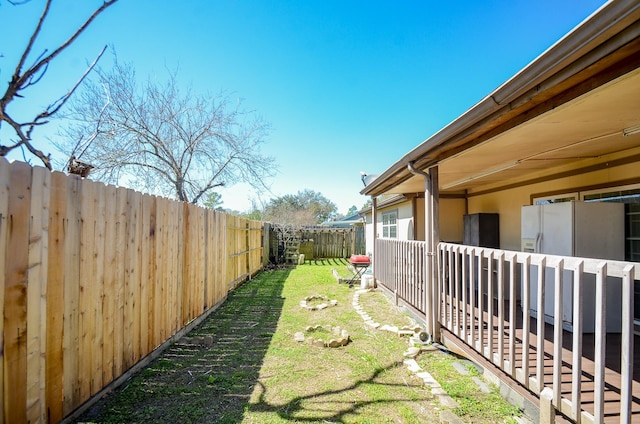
460, 367
484, 388
299, 336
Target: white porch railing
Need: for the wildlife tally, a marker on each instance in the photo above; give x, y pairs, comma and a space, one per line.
585, 358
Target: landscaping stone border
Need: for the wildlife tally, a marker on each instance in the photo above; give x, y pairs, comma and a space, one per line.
303, 303
418, 342
342, 336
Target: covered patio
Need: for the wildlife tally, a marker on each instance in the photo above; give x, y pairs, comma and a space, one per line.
566, 128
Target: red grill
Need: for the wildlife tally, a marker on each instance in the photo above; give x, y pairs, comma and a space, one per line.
359, 260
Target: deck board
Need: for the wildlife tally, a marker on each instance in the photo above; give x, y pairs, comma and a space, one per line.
587, 386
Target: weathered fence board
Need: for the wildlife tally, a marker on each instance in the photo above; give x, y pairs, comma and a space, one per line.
334, 242
15, 322
95, 278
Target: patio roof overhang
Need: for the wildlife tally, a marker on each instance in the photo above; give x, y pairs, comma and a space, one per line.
571, 108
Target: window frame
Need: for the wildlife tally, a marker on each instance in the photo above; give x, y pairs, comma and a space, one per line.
387, 227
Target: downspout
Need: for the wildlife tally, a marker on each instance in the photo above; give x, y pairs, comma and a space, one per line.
374, 222
431, 233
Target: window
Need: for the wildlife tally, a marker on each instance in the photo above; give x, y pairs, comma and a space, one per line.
390, 224
559, 198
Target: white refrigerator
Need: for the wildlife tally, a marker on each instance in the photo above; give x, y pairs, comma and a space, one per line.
580, 229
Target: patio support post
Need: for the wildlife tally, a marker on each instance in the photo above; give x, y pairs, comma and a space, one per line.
434, 238
432, 235
374, 222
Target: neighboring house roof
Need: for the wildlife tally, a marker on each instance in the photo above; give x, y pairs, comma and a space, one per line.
346, 221
572, 103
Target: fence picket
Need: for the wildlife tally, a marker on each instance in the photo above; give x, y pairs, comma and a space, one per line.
96, 277
15, 349
37, 294
108, 300
86, 305
145, 258
5, 184
98, 282
55, 295
71, 295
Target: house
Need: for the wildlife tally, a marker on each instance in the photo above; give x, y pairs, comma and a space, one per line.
564, 129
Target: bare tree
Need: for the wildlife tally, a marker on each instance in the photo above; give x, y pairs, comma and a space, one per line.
25, 76
307, 207
155, 136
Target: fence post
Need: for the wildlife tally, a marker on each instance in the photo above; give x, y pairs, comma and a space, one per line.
547, 410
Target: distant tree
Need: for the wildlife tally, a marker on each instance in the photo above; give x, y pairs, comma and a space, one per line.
25, 76
213, 200
156, 137
255, 212
308, 207
352, 210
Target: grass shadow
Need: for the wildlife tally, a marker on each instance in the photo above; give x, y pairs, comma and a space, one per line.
208, 375
327, 261
329, 405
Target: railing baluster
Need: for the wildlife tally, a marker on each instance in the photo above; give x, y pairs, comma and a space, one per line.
465, 287
500, 361
490, 347
576, 361
472, 296
601, 339
513, 296
456, 306
450, 288
540, 328
526, 320
557, 333
627, 344
480, 342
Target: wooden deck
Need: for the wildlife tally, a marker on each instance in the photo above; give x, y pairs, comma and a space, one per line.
474, 341
593, 378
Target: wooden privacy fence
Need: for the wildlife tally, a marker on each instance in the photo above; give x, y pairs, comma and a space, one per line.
96, 277
334, 242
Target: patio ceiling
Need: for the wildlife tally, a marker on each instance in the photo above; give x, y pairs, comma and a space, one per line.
580, 133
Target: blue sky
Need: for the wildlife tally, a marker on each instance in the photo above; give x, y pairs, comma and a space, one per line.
347, 86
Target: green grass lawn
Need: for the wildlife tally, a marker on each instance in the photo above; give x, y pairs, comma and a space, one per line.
242, 364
